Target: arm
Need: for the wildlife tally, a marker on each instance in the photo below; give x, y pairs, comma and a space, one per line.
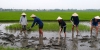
26, 21
59, 23
36, 23
71, 20
99, 23
60, 27
91, 21
33, 23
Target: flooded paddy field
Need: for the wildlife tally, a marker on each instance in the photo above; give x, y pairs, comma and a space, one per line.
50, 40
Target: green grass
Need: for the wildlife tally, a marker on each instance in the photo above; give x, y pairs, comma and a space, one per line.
48, 15
11, 48
51, 26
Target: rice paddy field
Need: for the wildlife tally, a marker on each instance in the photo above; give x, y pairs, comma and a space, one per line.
47, 15
11, 16
51, 26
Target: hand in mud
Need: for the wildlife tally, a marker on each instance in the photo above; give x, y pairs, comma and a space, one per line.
29, 29
75, 25
72, 22
26, 24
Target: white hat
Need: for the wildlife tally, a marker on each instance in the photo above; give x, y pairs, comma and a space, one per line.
23, 13
97, 17
33, 15
59, 18
74, 14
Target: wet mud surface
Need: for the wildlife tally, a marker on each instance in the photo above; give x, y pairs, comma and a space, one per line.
50, 40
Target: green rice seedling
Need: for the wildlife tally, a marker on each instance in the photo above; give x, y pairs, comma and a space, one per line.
48, 26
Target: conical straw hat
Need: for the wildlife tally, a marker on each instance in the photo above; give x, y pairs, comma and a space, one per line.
59, 18
23, 13
97, 17
33, 15
74, 14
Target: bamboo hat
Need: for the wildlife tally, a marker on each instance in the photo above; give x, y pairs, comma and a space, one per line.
59, 18
23, 13
97, 17
33, 15
74, 14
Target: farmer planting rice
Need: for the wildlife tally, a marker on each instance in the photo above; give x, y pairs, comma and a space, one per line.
94, 24
62, 25
23, 22
39, 22
75, 21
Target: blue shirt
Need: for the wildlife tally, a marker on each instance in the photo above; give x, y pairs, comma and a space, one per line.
98, 20
37, 21
94, 21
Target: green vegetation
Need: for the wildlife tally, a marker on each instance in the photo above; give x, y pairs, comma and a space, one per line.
47, 15
10, 48
51, 26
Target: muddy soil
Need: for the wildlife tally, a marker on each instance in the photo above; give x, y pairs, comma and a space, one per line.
50, 40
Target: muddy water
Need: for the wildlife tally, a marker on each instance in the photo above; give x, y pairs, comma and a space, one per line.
86, 23
33, 40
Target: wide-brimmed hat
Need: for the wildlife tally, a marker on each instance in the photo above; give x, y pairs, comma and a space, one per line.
59, 18
23, 13
74, 14
33, 15
97, 17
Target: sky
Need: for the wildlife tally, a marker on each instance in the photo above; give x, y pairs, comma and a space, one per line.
50, 4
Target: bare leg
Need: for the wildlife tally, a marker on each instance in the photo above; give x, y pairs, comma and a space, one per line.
91, 30
65, 34
60, 32
25, 32
65, 31
96, 31
77, 30
72, 35
41, 32
21, 32
59, 40
72, 29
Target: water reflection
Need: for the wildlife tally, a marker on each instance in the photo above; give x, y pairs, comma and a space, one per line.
65, 43
93, 42
40, 45
74, 43
40, 40
62, 43
24, 41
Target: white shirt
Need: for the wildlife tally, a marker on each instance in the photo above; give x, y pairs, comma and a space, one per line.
23, 20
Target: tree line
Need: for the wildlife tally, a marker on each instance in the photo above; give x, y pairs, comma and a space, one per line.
1, 9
